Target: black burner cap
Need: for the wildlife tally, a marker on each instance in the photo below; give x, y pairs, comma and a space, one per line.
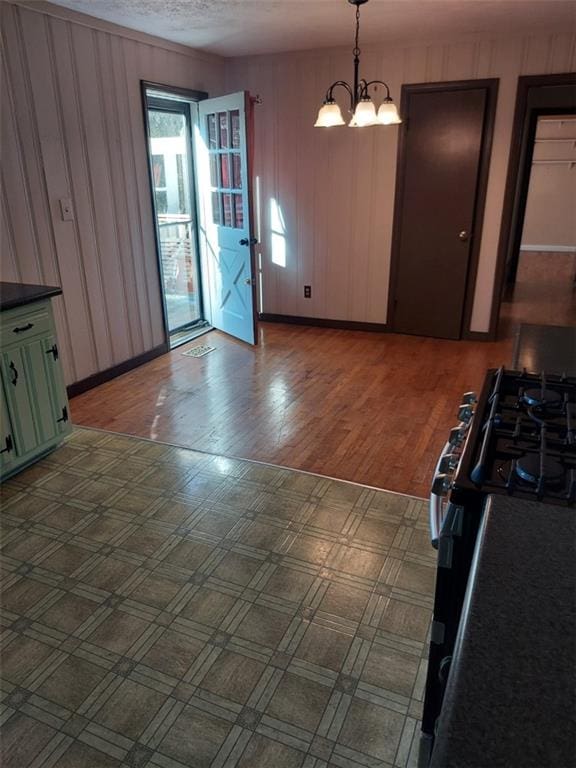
540, 399
528, 468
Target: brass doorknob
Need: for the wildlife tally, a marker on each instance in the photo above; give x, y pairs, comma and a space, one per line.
463, 235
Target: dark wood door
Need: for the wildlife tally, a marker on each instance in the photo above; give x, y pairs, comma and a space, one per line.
441, 155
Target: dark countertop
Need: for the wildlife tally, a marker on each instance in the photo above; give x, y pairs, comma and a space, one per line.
510, 700
549, 348
17, 294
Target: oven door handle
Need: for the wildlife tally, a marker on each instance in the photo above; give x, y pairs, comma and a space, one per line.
436, 502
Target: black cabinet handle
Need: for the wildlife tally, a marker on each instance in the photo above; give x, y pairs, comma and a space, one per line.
53, 351
9, 445
14, 372
23, 328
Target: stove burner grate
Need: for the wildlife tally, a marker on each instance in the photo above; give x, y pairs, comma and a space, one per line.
535, 470
541, 398
522, 439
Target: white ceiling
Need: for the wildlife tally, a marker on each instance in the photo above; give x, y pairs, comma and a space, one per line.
240, 27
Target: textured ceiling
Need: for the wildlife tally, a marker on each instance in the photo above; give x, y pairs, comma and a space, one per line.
239, 27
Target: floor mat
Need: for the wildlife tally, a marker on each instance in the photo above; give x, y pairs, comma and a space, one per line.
164, 607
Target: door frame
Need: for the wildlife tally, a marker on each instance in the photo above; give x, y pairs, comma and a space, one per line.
190, 95
534, 97
491, 86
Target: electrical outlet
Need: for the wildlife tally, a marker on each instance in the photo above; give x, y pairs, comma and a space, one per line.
307, 291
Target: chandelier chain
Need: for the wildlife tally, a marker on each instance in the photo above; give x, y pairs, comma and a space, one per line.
356, 50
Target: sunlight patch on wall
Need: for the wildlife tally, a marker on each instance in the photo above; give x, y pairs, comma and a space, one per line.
258, 211
277, 234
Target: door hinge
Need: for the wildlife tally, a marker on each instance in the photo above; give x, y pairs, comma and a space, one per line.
53, 351
64, 414
9, 445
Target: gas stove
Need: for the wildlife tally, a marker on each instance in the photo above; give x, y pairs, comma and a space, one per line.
522, 439
518, 438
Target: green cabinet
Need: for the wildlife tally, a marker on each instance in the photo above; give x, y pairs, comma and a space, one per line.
34, 411
7, 450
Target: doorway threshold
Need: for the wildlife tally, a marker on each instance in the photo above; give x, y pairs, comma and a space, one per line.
188, 334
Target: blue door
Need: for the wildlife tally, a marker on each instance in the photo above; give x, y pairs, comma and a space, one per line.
226, 235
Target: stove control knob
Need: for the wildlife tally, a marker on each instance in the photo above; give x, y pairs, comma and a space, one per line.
465, 412
441, 485
456, 436
448, 463
469, 398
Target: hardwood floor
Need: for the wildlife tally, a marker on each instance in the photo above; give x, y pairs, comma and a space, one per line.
544, 293
373, 408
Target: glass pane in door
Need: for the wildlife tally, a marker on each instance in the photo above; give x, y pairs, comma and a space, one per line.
170, 156
225, 168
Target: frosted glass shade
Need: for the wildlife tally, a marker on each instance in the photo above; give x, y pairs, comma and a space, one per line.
388, 113
329, 115
364, 114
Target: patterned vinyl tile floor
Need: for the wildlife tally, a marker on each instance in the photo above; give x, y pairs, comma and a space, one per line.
163, 608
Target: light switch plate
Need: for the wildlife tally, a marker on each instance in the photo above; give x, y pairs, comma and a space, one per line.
66, 210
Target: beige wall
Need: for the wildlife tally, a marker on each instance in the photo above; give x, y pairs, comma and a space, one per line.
550, 219
72, 126
335, 188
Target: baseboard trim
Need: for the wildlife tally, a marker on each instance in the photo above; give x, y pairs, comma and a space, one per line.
549, 248
478, 336
117, 370
320, 322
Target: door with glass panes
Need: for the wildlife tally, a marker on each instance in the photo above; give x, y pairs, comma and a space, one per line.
225, 214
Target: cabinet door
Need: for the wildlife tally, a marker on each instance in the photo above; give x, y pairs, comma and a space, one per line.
19, 397
56, 386
7, 447
33, 388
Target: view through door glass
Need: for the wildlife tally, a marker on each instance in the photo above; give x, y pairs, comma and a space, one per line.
170, 159
226, 168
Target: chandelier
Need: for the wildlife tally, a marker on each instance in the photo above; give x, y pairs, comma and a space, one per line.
362, 107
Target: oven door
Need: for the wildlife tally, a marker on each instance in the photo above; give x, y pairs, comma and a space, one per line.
458, 527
